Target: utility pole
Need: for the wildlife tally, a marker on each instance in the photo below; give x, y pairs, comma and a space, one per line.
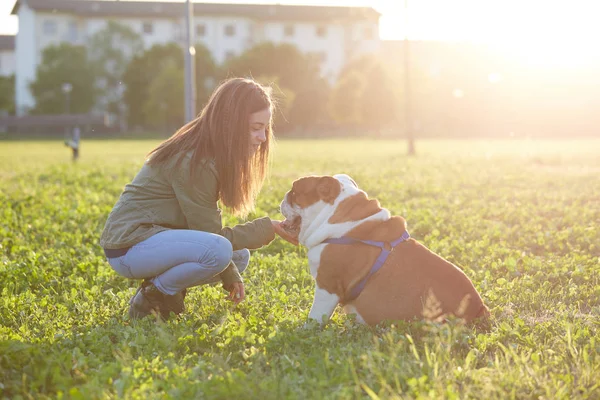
190, 65
408, 123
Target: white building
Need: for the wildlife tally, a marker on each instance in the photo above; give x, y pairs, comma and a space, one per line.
335, 34
7, 55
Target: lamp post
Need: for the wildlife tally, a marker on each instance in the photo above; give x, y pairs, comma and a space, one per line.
190, 67
408, 123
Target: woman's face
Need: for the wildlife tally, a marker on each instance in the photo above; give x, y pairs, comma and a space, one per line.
259, 122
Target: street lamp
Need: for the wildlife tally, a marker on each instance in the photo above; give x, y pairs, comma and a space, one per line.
190, 66
66, 89
408, 123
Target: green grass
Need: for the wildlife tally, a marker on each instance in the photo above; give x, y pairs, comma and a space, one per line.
521, 218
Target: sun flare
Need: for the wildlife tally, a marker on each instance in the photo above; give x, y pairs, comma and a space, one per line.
538, 33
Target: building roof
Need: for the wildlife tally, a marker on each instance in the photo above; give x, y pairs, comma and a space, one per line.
7, 42
92, 8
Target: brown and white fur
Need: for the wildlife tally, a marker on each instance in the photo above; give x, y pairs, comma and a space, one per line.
413, 282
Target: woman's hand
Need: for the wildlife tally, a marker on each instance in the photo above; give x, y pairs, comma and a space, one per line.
283, 233
237, 293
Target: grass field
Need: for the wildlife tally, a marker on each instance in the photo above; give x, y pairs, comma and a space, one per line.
521, 218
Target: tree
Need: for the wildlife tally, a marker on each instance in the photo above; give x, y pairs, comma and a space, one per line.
345, 98
207, 73
429, 96
297, 75
7, 94
62, 64
378, 104
309, 107
139, 75
147, 67
110, 51
165, 104
365, 95
294, 70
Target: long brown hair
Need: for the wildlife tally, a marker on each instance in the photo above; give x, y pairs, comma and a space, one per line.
222, 133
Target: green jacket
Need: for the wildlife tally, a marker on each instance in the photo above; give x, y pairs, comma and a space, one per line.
164, 197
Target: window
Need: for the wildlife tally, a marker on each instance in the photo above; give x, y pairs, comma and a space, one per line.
178, 32
200, 30
229, 30
73, 31
147, 27
288, 30
49, 27
321, 31
368, 32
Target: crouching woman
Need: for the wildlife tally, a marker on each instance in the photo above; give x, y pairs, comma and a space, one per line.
166, 226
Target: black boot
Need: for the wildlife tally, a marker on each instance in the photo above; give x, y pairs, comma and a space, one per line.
145, 301
149, 300
173, 303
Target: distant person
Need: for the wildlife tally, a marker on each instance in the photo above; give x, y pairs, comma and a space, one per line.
73, 143
166, 226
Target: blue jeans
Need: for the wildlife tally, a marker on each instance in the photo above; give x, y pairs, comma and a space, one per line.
178, 259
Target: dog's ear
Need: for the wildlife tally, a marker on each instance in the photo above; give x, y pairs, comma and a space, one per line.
328, 188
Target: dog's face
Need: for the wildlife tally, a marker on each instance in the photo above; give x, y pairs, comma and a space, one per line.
313, 198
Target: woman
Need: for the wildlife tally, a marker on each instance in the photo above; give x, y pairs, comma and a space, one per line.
166, 226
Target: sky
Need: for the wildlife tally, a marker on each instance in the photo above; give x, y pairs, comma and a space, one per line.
552, 32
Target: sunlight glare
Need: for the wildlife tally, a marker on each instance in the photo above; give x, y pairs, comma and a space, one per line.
538, 33
494, 77
458, 93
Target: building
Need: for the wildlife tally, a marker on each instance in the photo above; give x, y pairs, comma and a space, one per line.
335, 34
7, 55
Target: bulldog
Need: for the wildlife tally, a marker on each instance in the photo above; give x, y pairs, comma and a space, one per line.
363, 258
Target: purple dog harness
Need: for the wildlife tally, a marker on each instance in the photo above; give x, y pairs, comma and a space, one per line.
356, 290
